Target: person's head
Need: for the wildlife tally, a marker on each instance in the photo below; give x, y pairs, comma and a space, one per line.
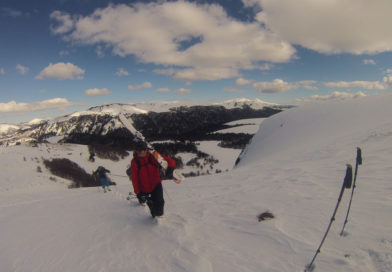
141, 149
141, 153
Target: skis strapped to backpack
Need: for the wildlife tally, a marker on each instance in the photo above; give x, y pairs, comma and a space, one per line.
177, 176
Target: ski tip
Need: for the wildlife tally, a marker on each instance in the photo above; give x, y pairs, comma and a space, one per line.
177, 175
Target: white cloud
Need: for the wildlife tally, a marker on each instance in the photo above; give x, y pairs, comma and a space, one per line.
182, 91
65, 22
369, 61
54, 103
387, 80
233, 90
368, 85
2, 71
166, 72
349, 26
100, 51
145, 85
64, 53
11, 12
251, 3
190, 36
22, 69
280, 86
122, 72
333, 96
176, 91
207, 73
97, 92
162, 90
61, 71
242, 81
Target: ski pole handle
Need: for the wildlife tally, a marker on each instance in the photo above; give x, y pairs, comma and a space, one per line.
348, 179
359, 156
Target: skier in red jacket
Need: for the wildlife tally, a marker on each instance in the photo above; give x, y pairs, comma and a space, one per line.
146, 179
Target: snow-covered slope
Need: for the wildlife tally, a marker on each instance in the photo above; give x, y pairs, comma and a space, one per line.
294, 168
162, 106
240, 102
6, 128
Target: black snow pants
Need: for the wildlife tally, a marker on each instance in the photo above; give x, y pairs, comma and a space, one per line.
156, 202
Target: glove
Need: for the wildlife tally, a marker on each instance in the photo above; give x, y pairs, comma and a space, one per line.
142, 197
128, 171
169, 172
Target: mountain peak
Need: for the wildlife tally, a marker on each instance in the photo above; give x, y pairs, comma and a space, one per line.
240, 102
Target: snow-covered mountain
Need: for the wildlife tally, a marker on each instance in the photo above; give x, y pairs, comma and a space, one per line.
6, 129
156, 119
240, 102
294, 167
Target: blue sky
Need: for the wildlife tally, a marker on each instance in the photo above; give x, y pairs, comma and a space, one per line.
60, 56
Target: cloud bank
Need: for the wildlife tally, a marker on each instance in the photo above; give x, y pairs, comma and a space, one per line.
280, 86
367, 85
200, 41
336, 96
55, 103
176, 91
347, 26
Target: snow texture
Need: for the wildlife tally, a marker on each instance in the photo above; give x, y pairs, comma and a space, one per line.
294, 168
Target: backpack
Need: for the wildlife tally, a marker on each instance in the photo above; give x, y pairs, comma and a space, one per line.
95, 176
151, 160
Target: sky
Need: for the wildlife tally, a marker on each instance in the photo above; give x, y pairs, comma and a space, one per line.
61, 56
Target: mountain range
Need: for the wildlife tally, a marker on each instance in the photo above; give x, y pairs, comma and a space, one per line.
173, 120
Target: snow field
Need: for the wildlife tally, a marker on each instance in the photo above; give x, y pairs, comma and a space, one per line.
294, 168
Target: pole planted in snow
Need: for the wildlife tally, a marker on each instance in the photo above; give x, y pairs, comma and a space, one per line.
358, 162
347, 182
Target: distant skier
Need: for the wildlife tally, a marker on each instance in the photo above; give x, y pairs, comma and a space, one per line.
103, 178
91, 158
146, 180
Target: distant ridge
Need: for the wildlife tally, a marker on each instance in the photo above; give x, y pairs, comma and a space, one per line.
142, 108
99, 124
240, 102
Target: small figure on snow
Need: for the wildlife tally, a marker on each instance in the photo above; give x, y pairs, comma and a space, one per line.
92, 157
146, 179
103, 178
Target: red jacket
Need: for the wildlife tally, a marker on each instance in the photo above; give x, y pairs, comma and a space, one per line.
147, 176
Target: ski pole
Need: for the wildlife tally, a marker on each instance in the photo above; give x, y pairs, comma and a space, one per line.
346, 184
166, 193
358, 162
118, 175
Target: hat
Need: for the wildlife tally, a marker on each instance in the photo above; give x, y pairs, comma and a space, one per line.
139, 145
